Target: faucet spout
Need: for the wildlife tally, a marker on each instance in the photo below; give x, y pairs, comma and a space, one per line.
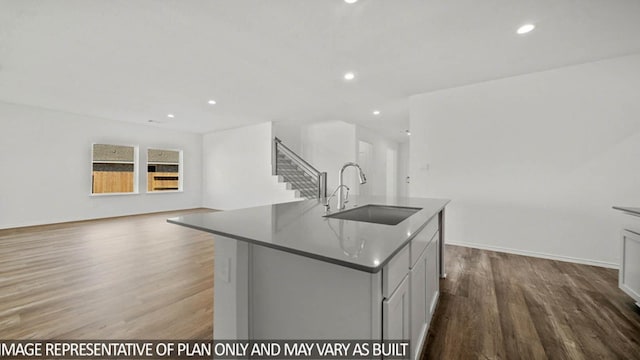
363, 180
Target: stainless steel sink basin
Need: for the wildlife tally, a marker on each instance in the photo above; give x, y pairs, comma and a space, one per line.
378, 214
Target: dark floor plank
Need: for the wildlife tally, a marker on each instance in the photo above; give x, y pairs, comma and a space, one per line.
503, 306
134, 277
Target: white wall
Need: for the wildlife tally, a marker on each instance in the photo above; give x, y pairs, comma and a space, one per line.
237, 169
290, 133
45, 157
534, 163
327, 146
403, 169
377, 169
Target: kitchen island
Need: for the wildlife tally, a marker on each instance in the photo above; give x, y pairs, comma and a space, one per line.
286, 271
629, 273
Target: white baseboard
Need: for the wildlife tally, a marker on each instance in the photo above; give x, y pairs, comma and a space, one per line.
536, 254
90, 218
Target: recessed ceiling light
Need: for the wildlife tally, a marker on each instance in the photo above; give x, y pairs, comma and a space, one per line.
376, 112
351, 1
211, 102
526, 28
349, 76
408, 132
171, 116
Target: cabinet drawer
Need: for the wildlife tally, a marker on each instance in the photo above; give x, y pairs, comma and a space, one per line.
424, 237
395, 271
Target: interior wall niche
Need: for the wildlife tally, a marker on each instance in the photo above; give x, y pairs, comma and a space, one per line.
163, 170
113, 169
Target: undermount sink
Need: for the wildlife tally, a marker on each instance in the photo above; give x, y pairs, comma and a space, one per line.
378, 214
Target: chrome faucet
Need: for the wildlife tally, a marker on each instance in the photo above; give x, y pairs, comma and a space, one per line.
342, 200
327, 202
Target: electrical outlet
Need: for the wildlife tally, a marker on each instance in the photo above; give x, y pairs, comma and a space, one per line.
223, 269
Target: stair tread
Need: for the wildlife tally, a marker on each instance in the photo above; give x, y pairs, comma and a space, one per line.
296, 177
299, 177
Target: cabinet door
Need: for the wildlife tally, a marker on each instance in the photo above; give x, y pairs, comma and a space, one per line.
629, 275
419, 304
395, 313
433, 279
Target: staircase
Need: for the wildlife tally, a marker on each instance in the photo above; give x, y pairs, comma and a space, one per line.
299, 175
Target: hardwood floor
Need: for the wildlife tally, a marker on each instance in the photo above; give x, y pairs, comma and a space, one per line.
138, 277
502, 306
134, 277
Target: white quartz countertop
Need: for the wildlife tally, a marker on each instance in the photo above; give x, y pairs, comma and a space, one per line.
300, 228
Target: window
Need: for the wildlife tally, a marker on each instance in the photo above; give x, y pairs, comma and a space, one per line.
113, 169
164, 170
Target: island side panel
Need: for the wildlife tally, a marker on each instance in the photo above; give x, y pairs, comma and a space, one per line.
441, 267
629, 278
629, 274
230, 289
296, 297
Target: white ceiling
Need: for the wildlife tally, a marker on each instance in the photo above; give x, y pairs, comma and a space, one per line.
284, 59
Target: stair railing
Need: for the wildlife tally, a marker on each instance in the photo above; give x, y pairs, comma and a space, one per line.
319, 178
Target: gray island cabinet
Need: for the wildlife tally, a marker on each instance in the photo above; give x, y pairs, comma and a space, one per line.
287, 272
629, 273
